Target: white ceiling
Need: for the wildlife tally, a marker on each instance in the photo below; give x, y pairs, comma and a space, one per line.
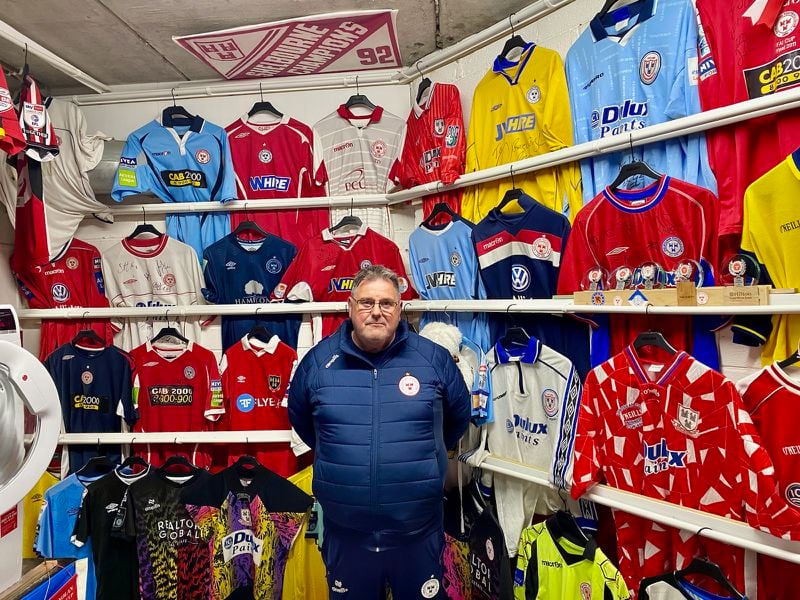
130, 41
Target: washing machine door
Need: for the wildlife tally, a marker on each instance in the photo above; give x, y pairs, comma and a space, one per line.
30, 421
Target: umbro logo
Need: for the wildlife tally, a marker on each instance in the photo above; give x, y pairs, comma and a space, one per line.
110, 508
230, 265
328, 268
241, 379
617, 250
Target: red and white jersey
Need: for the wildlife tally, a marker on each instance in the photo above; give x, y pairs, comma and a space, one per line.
358, 154
73, 279
772, 396
255, 379
42, 143
324, 268
11, 138
175, 388
275, 160
152, 272
745, 53
668, 222
668, 427
435, 146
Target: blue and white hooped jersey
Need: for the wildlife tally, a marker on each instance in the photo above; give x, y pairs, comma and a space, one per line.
632, 68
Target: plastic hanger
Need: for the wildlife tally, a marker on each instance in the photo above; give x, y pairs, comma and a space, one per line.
515, 194
144, 227
563, 524
700, 566
609, 4
260, 332
176, 460
263, 106
249, 227
175, 114
515, 41
440, 208
424, 83
515, 336
169, 331
793, 359
96, 466
635, 167
359, 99
88, 335
655, 339
348, 220
133, 461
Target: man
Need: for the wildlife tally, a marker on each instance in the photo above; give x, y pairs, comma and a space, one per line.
380, 406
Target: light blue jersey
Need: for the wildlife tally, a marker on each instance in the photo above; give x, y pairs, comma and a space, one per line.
635, 67
444, 267
60, 509
182, 160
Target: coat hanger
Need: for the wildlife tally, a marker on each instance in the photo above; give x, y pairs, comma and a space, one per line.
133, 461
424, 83
515, 41
515, 336
609, 4
563, 524
700, 566
440, 208
95, 467
249, 227
263, 106
88, 335
175, 114
515, 194
359, 99
169, 331
144, 227
185, 467
260, 332
635, 167
655, 339
350, 220
793, 359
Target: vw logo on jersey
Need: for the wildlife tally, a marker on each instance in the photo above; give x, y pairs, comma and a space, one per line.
188, 372
786, 23
550, 403
672, 246
265, 156
60, 292
534, 94
520, 278
274, 266
72, 263
649, 67
455, 259
245, 403
203, 156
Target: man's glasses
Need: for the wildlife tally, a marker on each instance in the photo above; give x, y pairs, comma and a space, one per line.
367, 304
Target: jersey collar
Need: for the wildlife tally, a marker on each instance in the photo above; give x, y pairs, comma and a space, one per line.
529, 354
154, 246
254, 125
641, 11
641, 200
373, 117
150, 348
512, 70
258, 348
777, 373
668, 371
196, 123
589, 548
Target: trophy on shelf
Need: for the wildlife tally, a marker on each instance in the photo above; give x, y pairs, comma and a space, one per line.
595, 279
739, 271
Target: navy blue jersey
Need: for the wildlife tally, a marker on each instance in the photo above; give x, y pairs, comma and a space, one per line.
245, 272
519, 255
94, 387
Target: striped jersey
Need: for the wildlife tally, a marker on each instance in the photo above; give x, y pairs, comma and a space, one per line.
535, 394
520, 109
632, 68
12, 140
668, 427
435, 144
359, 154
42, 141
152, 272
275, 160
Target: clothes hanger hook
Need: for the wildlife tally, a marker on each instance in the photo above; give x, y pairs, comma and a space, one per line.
416, 64
511, 24
144, 215
630, 140
511, 171
85, 313
261, 91
357, 92
172, 91
166, 316
508, 308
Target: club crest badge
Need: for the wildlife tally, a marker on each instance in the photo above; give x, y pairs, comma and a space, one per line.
649, 67
438, 127
274, 382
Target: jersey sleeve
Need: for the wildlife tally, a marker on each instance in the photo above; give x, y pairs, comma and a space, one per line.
44, 543
125, 408
89, 147
82, 531
299, 403
563, 458
133, 173
472, 163
228, 189
397, 167
395, 262
453, 152
575, 264
214, 407
295, 285
212, 287
586, 472
113, 291
320, 176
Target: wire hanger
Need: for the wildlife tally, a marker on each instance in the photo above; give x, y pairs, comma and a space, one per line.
514, 41
263, 106
633, 168
424, 83
359, 99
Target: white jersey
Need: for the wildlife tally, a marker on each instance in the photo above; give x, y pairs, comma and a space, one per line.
535, 395
358, 154
152, 272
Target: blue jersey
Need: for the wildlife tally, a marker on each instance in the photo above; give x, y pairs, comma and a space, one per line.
519, 255
635, 67
243, 272
184, 160
60, 509
94, 387
444, 267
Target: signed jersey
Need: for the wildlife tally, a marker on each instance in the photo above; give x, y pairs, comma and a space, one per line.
152, 272
324, 268
632, 68
180, 160
74, 278
275, 160
175, 388
358, 154
520, 109
255, 379
671, 428
435, 144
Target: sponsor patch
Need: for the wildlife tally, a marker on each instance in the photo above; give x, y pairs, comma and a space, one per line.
630, 415
127, 178
6, 101
171, 395
280, 290
182, 178
793, 494
245, 403
60, 292
520, 278
451, 139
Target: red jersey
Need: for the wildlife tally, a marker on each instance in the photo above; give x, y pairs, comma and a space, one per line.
255, 379
11, 138
435, 145
324, 268
668, 222
275, 161
175, 389
744, 54
676, 430
771, 396
73, 279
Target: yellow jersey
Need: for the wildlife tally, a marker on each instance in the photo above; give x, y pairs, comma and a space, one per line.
31, 507
521, 109
771, 231
304, 576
